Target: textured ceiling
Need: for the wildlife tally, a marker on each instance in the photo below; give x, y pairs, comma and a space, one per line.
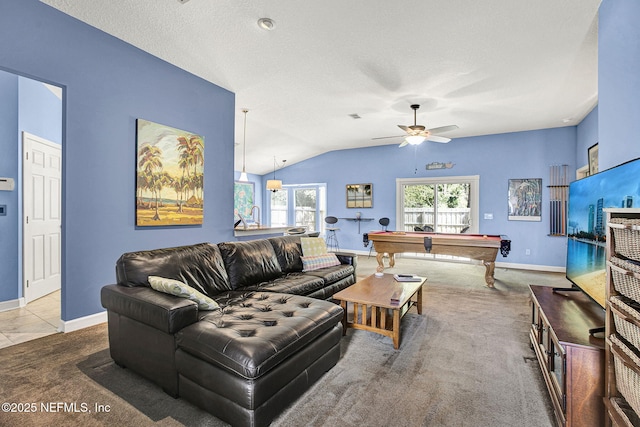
490, 66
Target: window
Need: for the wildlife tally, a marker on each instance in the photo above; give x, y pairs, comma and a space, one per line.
445, 205
300, 206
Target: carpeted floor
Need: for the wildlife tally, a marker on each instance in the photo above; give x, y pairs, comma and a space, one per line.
465, 362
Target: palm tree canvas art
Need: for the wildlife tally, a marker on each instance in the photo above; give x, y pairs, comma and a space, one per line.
170, 176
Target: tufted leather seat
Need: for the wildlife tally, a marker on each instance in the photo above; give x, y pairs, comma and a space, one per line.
256, 331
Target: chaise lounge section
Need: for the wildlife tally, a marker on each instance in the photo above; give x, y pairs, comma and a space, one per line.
271, 337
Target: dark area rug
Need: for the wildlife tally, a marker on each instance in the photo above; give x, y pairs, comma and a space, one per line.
465, 362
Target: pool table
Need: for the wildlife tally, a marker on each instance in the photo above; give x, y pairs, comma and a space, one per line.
475, 246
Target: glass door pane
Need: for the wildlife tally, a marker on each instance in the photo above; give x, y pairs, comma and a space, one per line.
453, 207
419, 201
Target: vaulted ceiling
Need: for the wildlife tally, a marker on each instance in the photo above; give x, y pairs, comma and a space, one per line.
490, 66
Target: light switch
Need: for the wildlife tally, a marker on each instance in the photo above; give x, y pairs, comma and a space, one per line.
488, 216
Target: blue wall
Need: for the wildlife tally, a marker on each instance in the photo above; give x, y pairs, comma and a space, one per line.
108, 85
9, 168
495, 158
618, 81
587, 136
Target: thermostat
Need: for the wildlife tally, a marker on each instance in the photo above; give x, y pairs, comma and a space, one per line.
6, 184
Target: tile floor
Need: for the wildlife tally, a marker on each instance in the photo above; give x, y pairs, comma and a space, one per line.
37, 319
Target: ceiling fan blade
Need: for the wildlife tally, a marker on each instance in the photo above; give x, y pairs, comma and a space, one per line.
403, 143
387, 137
436, 138
442, 129
405, 128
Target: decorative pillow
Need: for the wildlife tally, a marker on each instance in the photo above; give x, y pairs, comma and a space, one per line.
313, 246
310, 263
179, 289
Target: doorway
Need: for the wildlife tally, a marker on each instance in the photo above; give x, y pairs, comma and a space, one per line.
31, 312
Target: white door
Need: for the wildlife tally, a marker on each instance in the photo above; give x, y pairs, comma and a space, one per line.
42, 176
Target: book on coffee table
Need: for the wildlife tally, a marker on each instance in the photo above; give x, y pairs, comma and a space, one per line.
396, 297
407, 278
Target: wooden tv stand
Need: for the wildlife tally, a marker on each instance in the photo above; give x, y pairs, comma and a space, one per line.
571, 360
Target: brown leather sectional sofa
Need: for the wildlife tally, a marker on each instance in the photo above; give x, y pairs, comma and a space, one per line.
273, 336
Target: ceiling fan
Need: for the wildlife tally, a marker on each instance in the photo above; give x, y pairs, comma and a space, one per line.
417, 134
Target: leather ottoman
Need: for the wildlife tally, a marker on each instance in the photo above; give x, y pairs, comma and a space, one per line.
249, 360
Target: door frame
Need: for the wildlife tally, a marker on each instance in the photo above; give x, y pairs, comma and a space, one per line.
473, 180
26, 147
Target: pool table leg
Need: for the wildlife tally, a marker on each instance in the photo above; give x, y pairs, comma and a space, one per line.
488, 275
380, 259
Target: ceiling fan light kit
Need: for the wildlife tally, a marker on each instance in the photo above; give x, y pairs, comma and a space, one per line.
417, 134
415, 139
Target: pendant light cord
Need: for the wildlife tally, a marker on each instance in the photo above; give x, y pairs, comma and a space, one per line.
244, 142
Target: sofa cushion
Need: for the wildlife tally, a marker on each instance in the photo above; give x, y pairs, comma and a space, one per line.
292, 283
310, 263
179, 289
249, 263
288, 250
333, 274
312, 246
258, 331
199, 266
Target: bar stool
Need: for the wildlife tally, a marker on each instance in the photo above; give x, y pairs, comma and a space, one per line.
331, 237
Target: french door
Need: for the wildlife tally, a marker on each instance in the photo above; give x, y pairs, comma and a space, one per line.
444, 205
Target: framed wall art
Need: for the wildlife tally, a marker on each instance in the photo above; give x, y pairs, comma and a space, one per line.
359, 195
170, 176
243, 198
525, 199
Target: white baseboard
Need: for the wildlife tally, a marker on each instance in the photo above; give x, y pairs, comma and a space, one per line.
511, 265
83, 322
532, 267
12, 304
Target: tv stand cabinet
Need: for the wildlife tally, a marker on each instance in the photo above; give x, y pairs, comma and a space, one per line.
571, 359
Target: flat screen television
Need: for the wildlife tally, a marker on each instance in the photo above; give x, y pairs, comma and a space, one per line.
618, 187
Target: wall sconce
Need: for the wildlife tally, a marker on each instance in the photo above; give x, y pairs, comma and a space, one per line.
274, 184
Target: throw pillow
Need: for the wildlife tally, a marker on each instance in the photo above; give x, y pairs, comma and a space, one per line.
180, 289
313, 246
310, 263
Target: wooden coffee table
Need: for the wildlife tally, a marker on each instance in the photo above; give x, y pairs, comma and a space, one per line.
372, 307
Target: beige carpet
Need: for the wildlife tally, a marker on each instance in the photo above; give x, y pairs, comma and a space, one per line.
465, 362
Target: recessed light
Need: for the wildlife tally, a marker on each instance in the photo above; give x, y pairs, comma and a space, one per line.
266, 24
567, 120
182, 1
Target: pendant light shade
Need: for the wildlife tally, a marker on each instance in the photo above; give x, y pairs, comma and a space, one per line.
274, 184
243, 175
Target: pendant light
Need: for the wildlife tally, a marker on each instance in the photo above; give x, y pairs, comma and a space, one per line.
274, 184
243, 175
